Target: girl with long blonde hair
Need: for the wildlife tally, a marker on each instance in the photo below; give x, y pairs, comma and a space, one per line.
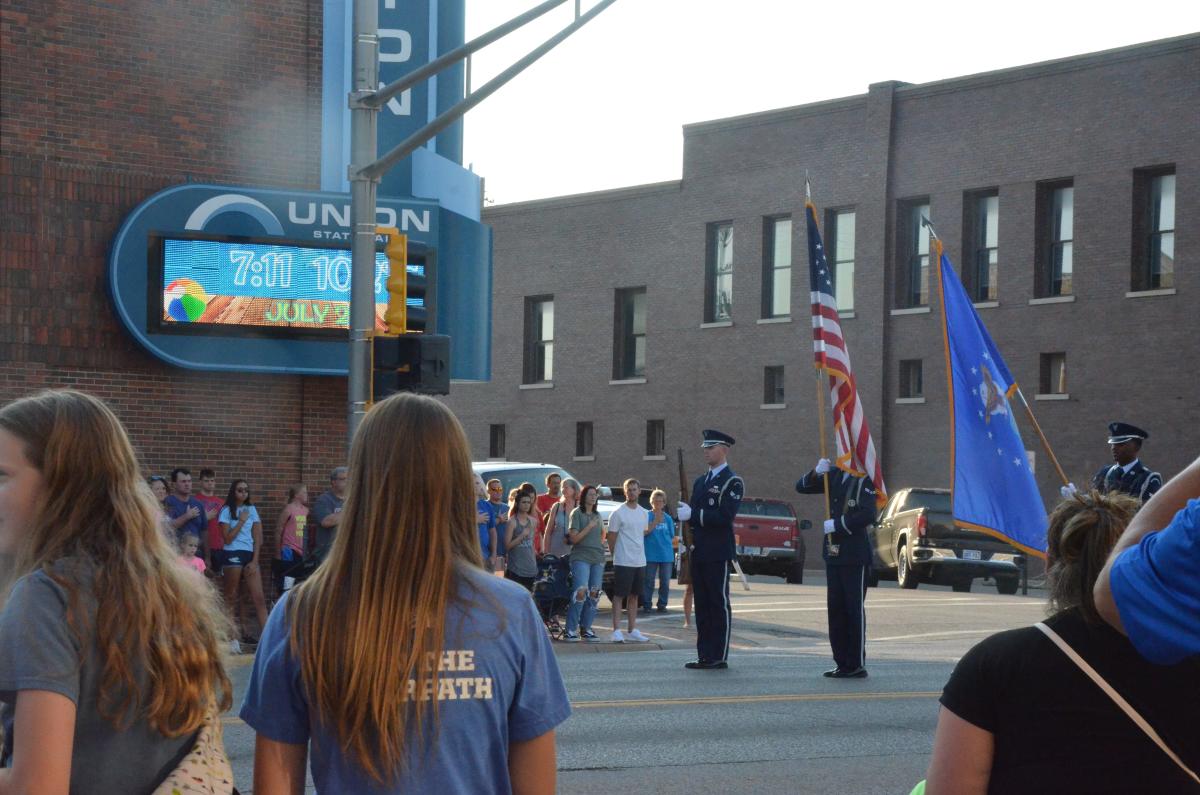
400, 662
109, 661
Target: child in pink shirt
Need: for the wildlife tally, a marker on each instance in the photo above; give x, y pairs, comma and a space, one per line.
187, 553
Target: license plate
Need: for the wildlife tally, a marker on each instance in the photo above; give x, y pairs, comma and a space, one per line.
752, 550
971, 554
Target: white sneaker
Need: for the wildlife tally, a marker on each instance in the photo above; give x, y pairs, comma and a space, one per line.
570, 637
638, 636
618, 636
235, 646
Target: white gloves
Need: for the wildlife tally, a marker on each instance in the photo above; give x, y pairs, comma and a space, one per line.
684, 510
1067, 491
830, 525
822, 466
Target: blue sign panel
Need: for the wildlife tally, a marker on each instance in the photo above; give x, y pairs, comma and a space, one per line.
411, 33
196, 265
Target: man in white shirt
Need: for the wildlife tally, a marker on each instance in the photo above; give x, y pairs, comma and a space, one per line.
627, 529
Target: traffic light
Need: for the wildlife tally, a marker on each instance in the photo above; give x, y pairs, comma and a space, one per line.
396, 316
407, 358
410, 363
411, 284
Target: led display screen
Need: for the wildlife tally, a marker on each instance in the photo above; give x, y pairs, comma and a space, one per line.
212, 282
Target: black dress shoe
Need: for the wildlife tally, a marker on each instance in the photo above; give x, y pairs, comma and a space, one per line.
857, 673
706, 665
832, 672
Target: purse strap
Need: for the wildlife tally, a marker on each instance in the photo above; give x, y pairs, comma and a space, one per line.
1116, 697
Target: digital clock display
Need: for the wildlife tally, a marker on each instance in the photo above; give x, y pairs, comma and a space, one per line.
212, 282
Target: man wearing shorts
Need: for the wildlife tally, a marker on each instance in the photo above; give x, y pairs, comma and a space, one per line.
626, 533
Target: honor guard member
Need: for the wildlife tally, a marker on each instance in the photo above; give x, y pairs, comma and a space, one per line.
847, 554
1128, 474
716, 497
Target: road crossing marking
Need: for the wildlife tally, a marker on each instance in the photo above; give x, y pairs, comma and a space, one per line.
710, 700
782, 697
940, 634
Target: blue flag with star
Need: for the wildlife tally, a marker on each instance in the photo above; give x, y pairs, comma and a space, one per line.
994, 490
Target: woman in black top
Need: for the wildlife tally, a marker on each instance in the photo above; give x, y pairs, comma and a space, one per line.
1019, 716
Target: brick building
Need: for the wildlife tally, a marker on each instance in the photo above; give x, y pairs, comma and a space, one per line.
101, 109
626, 321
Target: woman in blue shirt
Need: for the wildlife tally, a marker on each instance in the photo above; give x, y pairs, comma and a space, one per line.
241, 530
400, 664
660, 551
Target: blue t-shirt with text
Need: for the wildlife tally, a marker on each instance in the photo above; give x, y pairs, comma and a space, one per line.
500, 684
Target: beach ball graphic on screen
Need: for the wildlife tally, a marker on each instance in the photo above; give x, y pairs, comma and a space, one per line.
184, 300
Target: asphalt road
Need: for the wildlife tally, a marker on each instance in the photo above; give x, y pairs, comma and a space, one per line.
771, 723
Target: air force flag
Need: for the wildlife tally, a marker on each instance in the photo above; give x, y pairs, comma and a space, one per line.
993, 488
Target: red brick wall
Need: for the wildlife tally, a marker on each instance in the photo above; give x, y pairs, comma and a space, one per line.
102, 106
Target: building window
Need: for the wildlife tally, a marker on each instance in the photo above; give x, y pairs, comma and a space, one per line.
910, 379
583, 439
495, 441
912, 245
718, 274
839, 254
981, 251
1154, 229
1055, 236
773, 385
629, 334
539, 340
777, 267
1053, 379
656, 437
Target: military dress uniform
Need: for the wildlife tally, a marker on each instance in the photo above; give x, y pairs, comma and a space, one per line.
1137, 480
714, 503
847, 554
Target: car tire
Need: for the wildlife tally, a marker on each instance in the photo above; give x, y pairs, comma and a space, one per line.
905, 577
1008, 587
961, 586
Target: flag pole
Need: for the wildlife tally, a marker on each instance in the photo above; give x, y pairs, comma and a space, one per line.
820, 371
1042, 436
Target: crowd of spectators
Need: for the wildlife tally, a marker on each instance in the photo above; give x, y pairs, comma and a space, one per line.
221, 536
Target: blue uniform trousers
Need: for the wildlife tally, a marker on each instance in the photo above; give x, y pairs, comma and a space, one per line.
710, 589
845, 600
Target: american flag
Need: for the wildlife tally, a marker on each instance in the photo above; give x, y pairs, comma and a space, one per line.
855, 448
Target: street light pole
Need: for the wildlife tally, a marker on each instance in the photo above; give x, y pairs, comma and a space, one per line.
366, 98
363, 186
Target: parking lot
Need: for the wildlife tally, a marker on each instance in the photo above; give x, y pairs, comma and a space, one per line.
771, 723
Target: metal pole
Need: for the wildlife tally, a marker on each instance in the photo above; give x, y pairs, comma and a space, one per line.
410, 144
363, 120
379, 98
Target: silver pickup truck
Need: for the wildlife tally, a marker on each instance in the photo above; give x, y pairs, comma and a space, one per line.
916, 540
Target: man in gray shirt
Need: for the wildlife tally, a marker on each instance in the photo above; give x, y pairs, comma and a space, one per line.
327, 511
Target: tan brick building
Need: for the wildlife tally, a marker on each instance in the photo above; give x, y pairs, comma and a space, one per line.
1050, 185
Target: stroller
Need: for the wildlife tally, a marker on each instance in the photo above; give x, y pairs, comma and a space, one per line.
289, 573
552, 591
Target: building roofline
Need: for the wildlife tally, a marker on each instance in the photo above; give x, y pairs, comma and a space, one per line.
592, 197
1070, 63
